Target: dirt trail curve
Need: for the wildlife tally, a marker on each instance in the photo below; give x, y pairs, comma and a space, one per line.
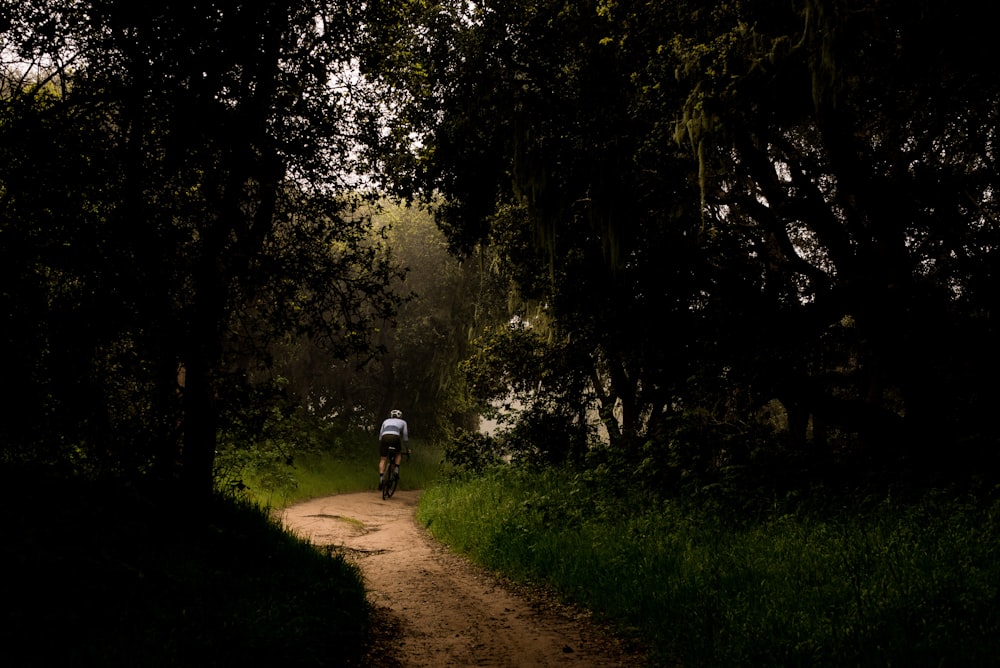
447, 611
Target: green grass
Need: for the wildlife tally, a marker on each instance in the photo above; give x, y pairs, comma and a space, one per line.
350, 466
896, 585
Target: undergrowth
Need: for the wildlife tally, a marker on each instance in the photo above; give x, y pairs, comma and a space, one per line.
342, 463
103, 574
913, 583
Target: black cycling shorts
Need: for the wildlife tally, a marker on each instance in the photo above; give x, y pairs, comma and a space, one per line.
387, 441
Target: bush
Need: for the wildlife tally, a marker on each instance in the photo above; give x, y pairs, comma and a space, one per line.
472, 452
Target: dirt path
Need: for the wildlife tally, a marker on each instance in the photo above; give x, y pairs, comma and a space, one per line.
448, 612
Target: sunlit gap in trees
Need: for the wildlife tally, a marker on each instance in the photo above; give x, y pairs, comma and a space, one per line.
369, 107
17, 70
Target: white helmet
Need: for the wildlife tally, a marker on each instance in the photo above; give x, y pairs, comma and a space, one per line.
395, 413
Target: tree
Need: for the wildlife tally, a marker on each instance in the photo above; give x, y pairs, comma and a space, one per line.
227, 131
540, 99
802, 195
852, 145
59, 328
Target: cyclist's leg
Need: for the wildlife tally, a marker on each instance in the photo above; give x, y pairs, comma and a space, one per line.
383, 451
389, 482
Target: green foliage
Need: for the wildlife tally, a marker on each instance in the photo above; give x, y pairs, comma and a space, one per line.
730, 207
298, 457
872, 584
263, 459
534, 388
546, 436
472, 452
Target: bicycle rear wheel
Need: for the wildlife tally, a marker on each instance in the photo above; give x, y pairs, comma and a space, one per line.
389, 488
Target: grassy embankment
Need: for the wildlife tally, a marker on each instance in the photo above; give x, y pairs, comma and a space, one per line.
101, 574
880, 584
96, 574
347, 466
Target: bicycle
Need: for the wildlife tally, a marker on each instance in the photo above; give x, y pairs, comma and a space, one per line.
391, 475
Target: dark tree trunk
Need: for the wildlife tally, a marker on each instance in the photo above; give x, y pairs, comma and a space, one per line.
199, 424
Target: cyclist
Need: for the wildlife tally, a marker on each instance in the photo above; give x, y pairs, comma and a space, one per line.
393, 432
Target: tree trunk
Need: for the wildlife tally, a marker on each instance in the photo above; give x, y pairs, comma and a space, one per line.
198, 430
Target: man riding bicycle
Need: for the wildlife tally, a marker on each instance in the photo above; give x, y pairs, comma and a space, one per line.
393, 434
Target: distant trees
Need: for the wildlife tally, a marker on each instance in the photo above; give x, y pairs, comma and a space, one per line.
448, 300
745, 217
416, 365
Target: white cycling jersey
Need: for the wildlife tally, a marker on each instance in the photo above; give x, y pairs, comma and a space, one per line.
395, 426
